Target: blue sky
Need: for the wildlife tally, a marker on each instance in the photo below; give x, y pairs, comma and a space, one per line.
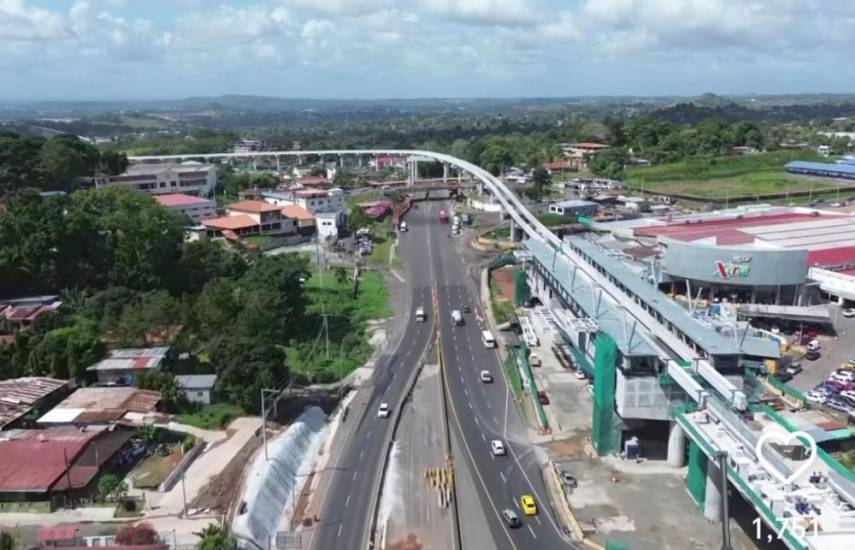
137, 49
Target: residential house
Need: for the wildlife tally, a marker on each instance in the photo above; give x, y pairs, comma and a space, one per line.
121, 366
101, 406
23, 398
303, 218
578, 154
45, 469
329, 225
198, 388
250, 217
19, 313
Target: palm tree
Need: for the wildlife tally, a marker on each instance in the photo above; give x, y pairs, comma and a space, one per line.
215, 537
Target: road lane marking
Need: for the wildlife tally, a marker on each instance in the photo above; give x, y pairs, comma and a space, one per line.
484, 437
466, 393
368, 435
362, 452
354, 476
339, 530
517, 504
346, 502
470, 404
495, 420
538, 520
489, 406
530, 530
502, 474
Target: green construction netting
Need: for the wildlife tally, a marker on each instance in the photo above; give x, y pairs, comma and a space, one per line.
606, 429
614, 545
522, 292
696, 481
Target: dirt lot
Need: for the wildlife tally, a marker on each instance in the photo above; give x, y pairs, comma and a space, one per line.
220, 492
503, 281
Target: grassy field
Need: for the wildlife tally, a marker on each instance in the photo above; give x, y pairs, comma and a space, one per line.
348, 321
211, 417
733, 176
382, 243
259, 240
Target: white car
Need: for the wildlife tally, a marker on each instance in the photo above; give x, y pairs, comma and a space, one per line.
486, 377
384, 410
849, 312
849, 394
843, 376
497, 447
816, 397
580, 374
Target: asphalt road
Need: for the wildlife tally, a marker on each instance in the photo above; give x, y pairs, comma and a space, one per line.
481, 412
347, 506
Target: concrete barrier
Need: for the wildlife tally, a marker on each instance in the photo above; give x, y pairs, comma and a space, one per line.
182, 466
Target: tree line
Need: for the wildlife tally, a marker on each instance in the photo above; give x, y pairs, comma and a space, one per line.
127, 278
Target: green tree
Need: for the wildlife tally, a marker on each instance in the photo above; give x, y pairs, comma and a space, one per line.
609, 163
204, 261
340, 275
8, 541
245, 366
65, 352
113, 162
356, 219
64, 158
20, 162
216, 307
172, 396
215, 537
111, 485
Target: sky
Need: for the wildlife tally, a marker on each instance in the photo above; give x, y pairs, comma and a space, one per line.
159, 49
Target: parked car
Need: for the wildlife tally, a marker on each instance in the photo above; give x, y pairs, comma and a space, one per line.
542, 397
784, 375
794, 368
843, 377
568, 479
579, 373
813, 355
849, 312
511, 518
816, 397
838, 404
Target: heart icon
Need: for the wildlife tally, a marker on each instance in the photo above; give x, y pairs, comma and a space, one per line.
782, 437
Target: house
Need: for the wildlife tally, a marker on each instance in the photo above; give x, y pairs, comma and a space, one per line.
303, 218
121, 366
250, 217
578, 154
21, 398
312, 200
189, 178
573, 208
195, 208
45, 469
101, 406
53, 536
329, 225
197, 387
19, 313
553, 168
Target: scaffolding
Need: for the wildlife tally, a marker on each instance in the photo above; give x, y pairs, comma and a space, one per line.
606, 432
522, 292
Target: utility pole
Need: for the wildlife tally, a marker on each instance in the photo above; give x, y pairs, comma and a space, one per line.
184, 495
725, 509
264, 393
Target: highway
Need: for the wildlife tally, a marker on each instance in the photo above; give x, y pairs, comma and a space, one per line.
481, 412
347, 505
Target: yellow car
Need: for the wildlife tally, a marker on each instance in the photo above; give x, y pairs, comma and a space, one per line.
528, 505
847, 366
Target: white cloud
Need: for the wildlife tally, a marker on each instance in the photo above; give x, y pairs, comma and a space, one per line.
486, 12
18, 21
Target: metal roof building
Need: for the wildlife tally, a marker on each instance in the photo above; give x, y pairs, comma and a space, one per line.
19, 396
821, 169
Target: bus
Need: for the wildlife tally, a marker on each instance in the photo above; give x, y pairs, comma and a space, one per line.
487, 339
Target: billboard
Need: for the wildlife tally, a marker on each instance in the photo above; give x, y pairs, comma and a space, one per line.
735, 266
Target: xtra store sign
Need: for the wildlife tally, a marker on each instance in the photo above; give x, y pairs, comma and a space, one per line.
738, 267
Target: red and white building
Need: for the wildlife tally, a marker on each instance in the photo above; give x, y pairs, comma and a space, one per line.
578, 154
195, 208
245, 218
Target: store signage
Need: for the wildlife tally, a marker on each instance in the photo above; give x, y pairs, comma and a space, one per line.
738, 267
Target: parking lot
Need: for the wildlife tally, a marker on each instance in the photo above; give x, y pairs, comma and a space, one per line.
835, 350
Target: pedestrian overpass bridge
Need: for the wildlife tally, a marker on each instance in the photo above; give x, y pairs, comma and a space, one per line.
638, 317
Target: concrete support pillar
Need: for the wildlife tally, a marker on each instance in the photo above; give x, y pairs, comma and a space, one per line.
459, 175
278, 164
444, 172
480, 187
512, 235
359, 161
713, 498
254, 163
676, 446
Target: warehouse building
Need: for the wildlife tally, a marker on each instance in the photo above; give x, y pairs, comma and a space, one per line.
822, 169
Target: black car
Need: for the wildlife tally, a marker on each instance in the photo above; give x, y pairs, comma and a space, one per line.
813, 355
568, 480
784, 376
467, 309
511, 518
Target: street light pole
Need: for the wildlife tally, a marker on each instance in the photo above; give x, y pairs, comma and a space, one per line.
264, 393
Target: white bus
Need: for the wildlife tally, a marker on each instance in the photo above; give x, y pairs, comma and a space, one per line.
487, 338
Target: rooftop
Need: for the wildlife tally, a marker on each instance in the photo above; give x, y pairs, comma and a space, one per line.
232, 222
255, 207
196, 380
180, 199
843, 168
148, 169
18, 395
131, 359
574, 203
100, 405
297, 212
